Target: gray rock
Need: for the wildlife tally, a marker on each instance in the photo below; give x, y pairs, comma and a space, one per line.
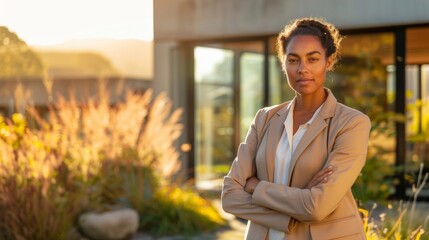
112, 225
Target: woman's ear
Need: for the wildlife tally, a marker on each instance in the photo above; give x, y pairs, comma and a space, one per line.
329, 62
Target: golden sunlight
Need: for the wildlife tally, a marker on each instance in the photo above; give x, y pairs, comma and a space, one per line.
46, 22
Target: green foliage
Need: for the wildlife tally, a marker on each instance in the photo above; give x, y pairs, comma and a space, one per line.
373, 184
139, 184
87, 158
362, 82
405, 221
34, 200
219, 170
17, 60
396, 222
176, 211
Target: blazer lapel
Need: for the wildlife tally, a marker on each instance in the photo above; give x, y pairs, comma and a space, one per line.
318, 125
274, 132
314, 129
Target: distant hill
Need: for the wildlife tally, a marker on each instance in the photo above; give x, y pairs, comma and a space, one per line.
131, 58
61, 64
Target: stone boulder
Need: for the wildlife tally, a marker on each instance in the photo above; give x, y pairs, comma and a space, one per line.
116, 224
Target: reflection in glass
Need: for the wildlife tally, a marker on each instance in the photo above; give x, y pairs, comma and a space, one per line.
417, 118
417, 99
364, 79
251, 89
279, 90
229, 84
425, 100
412, 96
214, 109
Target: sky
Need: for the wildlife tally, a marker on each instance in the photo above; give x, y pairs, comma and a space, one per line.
48, 22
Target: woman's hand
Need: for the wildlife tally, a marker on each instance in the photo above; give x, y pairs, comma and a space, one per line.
320, 177
251, 184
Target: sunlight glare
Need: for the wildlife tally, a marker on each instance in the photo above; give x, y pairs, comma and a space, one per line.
46, 22
206, 59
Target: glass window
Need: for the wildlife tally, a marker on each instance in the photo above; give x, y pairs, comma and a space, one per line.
214, 109
251, 89
425, 101
365, 80
229, 90
417, 136
412, 94
417, 103
279, 90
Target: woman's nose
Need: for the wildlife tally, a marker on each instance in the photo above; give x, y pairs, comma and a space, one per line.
302, 67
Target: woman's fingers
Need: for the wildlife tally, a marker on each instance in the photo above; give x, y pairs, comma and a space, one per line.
320, 177
251, 184
324, 172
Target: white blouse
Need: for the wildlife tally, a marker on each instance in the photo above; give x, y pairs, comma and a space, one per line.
285, 149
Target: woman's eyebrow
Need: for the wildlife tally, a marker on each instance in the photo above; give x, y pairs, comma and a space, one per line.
292, 54
313, 52
308, 54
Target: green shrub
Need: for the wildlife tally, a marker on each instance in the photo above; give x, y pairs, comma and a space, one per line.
396, 223
375, 182
35, 193
174, 210
91, 157
405, 221
378, 179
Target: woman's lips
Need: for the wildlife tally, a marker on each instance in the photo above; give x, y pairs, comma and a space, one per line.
304, 80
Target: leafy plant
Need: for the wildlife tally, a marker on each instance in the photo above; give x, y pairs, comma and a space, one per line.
92, 157
174, 210
33, 199
375, 182
402, 223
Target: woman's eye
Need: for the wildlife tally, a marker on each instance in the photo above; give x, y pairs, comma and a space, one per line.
313, 59
292, 60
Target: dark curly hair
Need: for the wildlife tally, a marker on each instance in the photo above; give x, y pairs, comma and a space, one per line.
327, 34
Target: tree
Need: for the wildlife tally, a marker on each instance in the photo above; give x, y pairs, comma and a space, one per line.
17, 59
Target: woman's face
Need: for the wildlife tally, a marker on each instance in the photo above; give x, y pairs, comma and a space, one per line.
306, 65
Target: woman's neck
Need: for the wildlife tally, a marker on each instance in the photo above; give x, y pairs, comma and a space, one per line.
310, 103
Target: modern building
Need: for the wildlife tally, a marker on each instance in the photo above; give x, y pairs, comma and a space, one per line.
216, 59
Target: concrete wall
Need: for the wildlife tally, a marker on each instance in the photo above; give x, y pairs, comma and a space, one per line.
163, 66
179, 20
200, 19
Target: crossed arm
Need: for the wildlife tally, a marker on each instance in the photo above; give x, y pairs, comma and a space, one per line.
274, 205
320, 177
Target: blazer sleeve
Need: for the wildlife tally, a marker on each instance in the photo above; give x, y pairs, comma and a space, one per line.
237, 201
348, 157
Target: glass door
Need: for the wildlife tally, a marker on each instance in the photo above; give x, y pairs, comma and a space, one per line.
214, 106
417, 108
229, 90
251, 89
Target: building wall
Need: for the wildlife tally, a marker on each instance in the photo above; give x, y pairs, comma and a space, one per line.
198, 19
162, 63
183, 20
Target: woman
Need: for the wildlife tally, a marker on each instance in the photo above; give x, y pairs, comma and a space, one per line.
293, 174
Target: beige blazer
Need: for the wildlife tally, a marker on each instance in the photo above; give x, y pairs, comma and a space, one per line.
326, 211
